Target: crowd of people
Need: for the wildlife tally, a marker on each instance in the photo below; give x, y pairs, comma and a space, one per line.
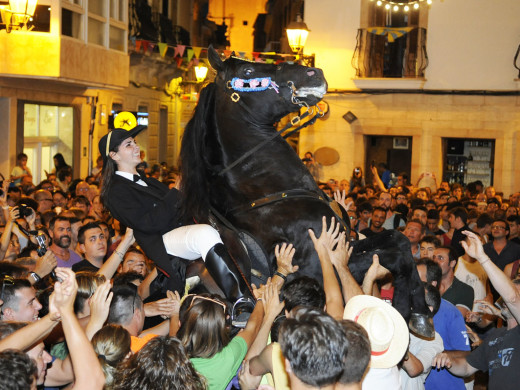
83, 306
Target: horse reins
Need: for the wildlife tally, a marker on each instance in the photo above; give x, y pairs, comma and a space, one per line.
235, 97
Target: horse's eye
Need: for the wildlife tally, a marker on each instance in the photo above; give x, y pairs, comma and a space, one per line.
248, 72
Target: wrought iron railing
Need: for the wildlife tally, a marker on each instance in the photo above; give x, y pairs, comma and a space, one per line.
387, 52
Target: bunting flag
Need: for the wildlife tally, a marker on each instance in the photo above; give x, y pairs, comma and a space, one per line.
197, 51
179, 49
392, 32
190, 54
163, 48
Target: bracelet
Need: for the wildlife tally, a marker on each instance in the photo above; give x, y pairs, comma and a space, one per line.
119, 253
284, 277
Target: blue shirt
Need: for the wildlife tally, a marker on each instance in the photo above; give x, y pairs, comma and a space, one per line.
449, 323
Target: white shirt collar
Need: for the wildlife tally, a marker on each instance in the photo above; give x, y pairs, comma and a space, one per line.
130, 176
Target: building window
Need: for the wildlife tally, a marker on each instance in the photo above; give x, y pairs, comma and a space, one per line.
101, 22
391, 44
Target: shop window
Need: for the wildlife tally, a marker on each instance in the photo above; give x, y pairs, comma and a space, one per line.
47, 130
469, 160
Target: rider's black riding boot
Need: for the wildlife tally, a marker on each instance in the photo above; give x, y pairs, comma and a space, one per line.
226, 274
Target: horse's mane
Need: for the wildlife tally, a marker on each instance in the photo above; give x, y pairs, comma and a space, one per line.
194, 159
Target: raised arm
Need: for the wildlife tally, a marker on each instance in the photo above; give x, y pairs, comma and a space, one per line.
273, 307
6, 234
109, 268
88, 372
324, 246
340, 261
377, 180
375, 272
284, 256
498, 279
99, 307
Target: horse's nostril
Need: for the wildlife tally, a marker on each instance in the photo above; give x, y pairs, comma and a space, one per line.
311, 73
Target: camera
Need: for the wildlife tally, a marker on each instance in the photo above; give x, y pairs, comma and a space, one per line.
42, 248
25, 210
306, 159
357, 170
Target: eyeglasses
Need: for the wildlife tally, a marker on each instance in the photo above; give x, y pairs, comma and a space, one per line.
195, 297
498, 227
6, 280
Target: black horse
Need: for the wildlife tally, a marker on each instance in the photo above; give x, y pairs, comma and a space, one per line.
234, 165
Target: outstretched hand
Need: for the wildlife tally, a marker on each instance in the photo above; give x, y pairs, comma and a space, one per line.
100, 303
328, 237
284, 257
340, 198
475, 248
376, 270
65, 290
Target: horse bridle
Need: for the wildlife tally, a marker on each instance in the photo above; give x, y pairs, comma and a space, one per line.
231, 85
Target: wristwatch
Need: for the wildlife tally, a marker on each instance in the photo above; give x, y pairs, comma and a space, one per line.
35, 276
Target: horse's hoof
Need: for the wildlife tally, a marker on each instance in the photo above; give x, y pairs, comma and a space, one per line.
422, 325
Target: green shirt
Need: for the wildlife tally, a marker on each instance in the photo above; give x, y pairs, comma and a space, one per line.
223, 366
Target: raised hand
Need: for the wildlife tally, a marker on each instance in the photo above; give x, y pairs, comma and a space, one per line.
45, 264
271, 300
100, 303
475, 248
65, 290
328, 237
284, 256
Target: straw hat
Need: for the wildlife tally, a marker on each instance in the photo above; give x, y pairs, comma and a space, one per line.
386, 328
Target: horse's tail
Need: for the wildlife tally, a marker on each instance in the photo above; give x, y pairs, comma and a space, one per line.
195, 202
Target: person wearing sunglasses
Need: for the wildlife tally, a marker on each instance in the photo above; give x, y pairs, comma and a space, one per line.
151, 210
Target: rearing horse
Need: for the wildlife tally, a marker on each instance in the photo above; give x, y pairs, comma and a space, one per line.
235, 165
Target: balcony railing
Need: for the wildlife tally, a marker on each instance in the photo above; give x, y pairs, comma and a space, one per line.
390, 52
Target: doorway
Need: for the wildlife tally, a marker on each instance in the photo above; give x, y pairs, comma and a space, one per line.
395, 152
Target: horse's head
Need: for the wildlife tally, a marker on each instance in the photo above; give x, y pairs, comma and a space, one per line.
269, 91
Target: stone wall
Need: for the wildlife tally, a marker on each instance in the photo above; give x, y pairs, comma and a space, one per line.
428, 118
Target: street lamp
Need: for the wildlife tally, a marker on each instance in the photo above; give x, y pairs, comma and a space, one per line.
297, 33
18, 14
200, 73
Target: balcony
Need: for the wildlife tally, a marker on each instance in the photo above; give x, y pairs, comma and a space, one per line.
392, 56
73, 49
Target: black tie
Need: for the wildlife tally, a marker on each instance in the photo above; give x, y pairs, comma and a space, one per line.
137, 178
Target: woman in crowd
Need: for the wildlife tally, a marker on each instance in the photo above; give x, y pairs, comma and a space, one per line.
112, 345
59, 162
357, 179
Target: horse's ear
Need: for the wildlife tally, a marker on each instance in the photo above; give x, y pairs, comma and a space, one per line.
215, 60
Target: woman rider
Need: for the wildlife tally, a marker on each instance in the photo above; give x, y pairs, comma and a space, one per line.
151, 210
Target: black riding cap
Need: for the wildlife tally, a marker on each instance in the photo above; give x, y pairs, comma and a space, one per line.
115, 137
